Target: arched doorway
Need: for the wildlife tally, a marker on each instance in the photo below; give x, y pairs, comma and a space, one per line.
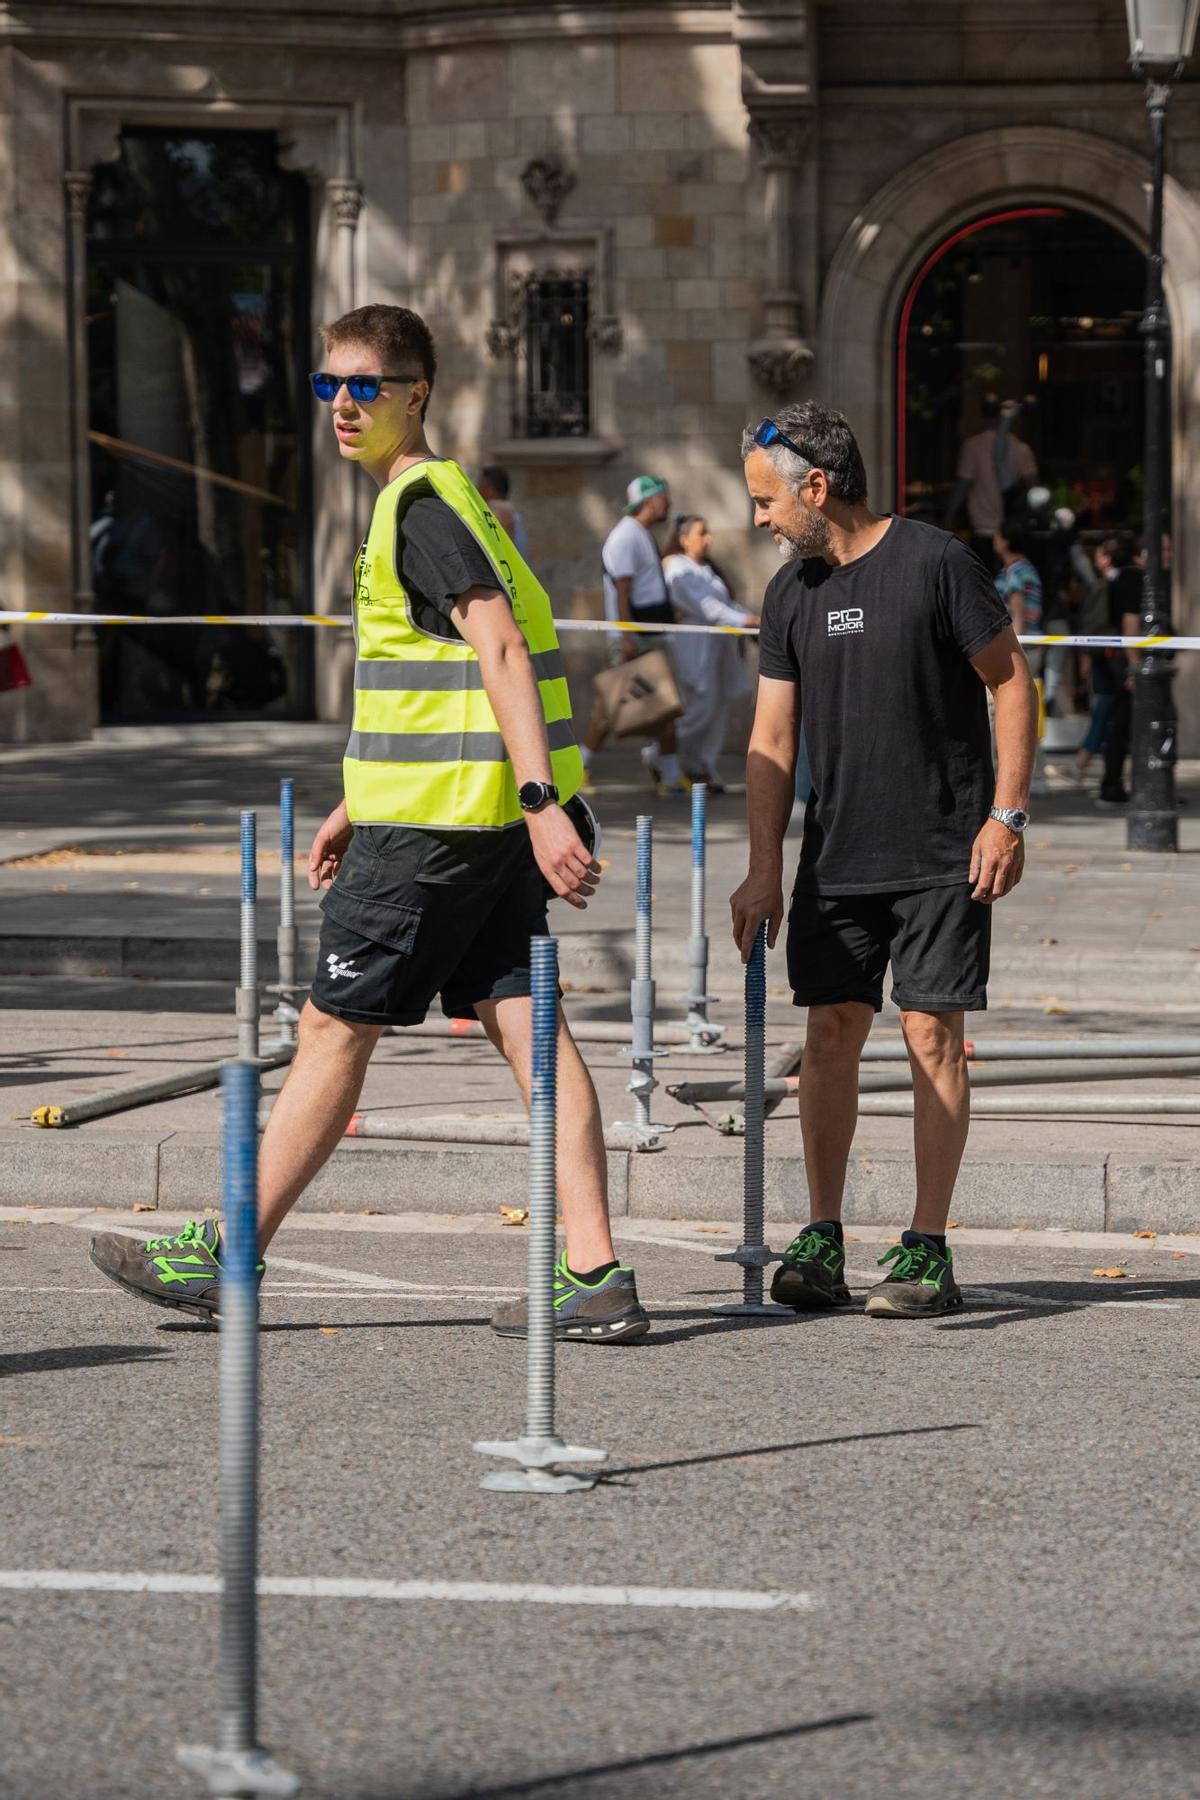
1038, 306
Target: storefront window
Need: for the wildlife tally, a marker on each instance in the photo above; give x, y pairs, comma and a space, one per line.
1035, 308
198, 333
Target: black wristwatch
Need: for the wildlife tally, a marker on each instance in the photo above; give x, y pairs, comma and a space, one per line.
534, 795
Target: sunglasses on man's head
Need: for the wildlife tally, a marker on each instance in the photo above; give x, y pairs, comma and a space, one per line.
363, 388
767, 432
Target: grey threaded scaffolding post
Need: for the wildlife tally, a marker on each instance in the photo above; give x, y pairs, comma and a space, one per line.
286, 937
540, 1449
246, 997
703, 1034
238, 1767
641, 1133
752, 1253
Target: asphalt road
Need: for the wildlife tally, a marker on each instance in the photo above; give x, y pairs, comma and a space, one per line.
991, 1517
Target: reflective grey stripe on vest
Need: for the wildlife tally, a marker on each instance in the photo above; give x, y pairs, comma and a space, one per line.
444, 746
395, 675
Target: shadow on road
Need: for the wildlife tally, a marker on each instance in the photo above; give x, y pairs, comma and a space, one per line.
857, 1437
1021, 1302
567, 1778
74, 1356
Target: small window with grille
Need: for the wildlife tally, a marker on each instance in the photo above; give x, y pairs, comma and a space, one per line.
552, 394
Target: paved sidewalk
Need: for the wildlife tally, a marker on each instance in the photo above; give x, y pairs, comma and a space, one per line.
118, 942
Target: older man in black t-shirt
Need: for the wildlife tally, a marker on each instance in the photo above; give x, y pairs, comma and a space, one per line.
883, 636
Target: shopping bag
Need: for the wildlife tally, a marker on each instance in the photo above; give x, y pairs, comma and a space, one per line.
637, 697
14, 670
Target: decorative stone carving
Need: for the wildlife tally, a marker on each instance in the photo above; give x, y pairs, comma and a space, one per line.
346, 198
547, 182
781, 140
780, 364
608, 334
502, 337
78, 186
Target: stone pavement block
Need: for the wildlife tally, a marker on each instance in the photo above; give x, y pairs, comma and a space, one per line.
663, 1185
1149, 1193
392, 1177
83, 1167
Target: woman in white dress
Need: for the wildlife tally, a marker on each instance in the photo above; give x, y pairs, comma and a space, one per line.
709, 666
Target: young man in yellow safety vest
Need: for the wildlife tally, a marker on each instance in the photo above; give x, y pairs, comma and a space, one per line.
460, 812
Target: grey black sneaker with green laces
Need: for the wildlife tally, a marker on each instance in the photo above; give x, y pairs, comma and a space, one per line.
183, 1272
920, 1283
603, 1312
812, 1274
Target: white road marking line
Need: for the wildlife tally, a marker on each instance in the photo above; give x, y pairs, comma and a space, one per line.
318, 1587
1006, 1296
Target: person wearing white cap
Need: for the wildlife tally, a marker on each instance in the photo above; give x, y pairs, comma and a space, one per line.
635, 590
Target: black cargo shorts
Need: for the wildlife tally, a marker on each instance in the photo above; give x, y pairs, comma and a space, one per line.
414, 914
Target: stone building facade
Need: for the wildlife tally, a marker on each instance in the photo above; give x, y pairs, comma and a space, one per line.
737, 195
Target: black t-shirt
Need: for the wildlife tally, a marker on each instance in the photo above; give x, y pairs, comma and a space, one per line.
895, 718
437, 559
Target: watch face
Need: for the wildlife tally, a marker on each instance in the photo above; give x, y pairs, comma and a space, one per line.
1018, 819
533, 795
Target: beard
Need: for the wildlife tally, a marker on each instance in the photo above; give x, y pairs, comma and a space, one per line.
811, 538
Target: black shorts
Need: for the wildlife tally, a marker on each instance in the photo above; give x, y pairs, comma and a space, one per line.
938, 941
413, 914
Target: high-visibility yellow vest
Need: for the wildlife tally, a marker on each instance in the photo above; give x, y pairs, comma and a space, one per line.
425, 748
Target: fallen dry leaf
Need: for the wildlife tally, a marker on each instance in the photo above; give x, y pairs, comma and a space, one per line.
328, 1330
514, 1215
1054, 1010
143, 1206
714, 1230
1144, 1234
116, 1053
951, 1224
1178, 1255
853, 1240
1110, 1274
1047, 943
372, 1212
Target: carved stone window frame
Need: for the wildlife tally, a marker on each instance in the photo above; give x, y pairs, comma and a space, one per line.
532, 250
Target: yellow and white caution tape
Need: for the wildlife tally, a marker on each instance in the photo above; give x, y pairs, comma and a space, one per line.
343, 621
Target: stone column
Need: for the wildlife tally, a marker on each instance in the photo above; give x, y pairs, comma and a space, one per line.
346, 199
782, 143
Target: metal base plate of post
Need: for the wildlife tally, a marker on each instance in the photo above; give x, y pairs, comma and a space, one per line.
238, 1774
539, 1472
751, 1256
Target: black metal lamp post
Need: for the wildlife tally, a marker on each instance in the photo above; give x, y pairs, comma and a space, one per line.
1161, 36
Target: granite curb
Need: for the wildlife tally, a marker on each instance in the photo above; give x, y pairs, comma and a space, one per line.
1072, 1190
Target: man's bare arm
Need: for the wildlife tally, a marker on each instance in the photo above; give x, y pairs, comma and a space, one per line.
770, 793
485, 619
998, 854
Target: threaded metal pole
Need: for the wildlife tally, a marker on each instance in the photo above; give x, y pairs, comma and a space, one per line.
543, 1124
247, 993
286, 940
698, 942
238, 1441
755, 1074
641, 992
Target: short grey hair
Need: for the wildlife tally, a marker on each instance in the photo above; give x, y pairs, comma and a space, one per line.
827, 442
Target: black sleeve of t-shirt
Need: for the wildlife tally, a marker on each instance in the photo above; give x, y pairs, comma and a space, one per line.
438, 555
971, 610
775, 656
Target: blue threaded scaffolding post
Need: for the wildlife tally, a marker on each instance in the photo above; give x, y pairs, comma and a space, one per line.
246, 997
238, 1766
752, 1253
540, 1449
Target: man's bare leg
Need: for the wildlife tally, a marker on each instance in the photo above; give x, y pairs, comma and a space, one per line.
941, 1111
310, 1117
581, 1163
829, 1100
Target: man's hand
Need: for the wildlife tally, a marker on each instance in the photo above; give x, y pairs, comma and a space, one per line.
997, 862
562, 856
759, 897
630, 645
329, 846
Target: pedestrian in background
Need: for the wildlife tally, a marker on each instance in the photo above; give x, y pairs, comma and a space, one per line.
995, 467
1018, 583
1124, 620
494, 487
711, 668
635, 591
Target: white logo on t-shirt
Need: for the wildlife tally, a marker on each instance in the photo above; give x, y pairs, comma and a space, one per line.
850, 618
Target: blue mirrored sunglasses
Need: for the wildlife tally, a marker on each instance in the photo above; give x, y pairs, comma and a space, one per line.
767, 432
363, 388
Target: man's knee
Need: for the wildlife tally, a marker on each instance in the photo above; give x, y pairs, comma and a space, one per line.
933, 1037
838, 1030
326, 1033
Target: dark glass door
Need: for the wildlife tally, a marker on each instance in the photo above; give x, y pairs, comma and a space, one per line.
198, 279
